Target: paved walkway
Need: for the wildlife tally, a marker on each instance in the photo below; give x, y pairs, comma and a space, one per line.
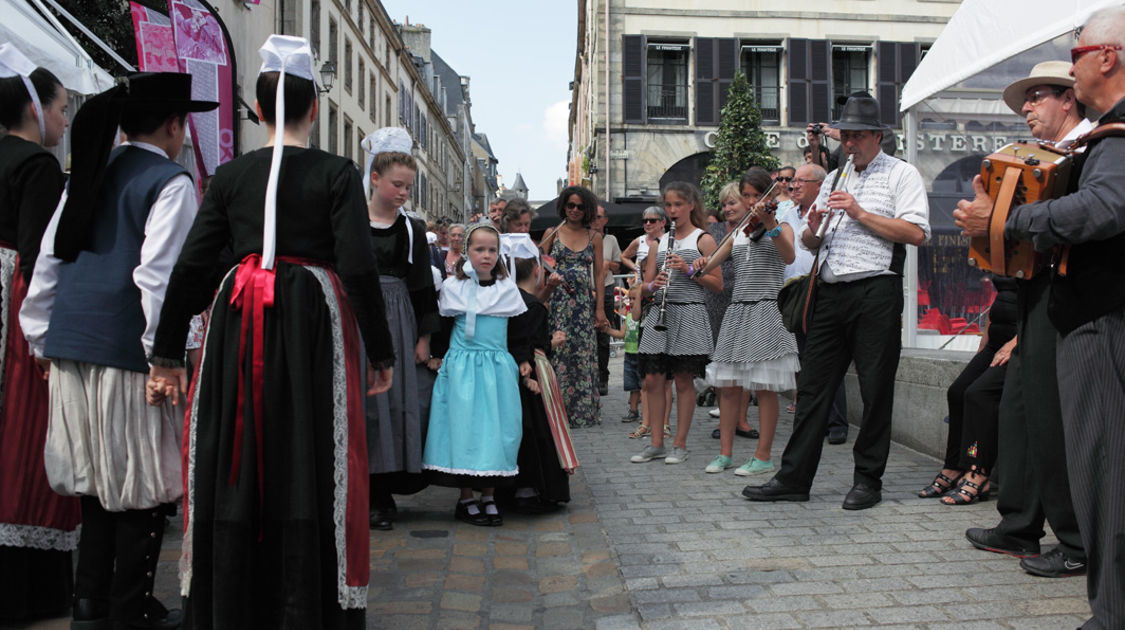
658, 547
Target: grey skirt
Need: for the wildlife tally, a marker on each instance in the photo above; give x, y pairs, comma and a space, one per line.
396, 419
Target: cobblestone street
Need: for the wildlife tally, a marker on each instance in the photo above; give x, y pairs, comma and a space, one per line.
657, 546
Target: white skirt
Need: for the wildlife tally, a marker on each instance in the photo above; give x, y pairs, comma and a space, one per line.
103, 440
775, 375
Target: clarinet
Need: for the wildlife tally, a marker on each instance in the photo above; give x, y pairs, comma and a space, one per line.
660, 324
841, 178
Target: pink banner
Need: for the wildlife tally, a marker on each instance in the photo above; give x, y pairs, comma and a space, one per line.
190, 39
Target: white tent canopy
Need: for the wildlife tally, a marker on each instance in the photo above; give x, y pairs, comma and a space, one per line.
982, 33
46, 46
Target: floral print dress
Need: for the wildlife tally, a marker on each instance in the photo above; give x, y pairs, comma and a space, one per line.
576, 361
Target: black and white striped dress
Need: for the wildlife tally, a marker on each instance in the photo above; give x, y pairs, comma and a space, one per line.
754, 350
689, 333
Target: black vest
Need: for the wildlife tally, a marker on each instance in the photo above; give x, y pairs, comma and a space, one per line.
97, 316
1095, 281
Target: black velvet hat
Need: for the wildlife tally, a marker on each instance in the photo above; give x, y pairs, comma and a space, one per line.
164, 91
861, 112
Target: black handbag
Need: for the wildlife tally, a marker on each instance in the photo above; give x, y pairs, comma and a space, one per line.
795, 301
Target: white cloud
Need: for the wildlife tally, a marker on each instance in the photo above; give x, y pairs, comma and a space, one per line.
555, 121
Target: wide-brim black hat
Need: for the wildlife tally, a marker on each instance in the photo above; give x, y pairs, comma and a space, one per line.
861, 113
164, 91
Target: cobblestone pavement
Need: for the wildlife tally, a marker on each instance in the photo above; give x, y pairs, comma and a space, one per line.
658, 546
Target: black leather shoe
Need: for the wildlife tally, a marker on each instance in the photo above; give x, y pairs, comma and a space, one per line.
861, 497
90, 614
996, 542
603, 389
382, 519
773, 490
751, 434
158, 618
461, 513
837, 435
1053, 564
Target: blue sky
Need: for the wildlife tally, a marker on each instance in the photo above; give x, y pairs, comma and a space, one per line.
520, 58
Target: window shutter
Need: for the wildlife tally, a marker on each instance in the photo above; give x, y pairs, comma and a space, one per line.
726, 64
896, 63
633, 79
820, 80
799, 82
705, 101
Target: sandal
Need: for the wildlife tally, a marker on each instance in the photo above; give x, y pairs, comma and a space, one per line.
961, 496
667, 430
640, 432
939, 486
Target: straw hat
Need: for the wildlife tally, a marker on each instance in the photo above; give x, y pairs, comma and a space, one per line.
1045, 73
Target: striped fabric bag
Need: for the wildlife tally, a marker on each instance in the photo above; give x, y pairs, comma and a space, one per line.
556, 412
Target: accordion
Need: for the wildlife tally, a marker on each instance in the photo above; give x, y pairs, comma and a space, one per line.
1019, 173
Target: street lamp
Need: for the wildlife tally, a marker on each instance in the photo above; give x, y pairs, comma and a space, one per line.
327, 76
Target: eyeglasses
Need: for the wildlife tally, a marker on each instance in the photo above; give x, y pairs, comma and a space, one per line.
1038, 95
783, 179
570, 205
1078, 51
802, 180
653, 220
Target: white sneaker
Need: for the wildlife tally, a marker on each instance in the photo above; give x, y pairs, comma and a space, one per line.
714, 413
677, 456
650, 453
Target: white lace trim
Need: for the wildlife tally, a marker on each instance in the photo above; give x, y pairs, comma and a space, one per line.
473, 473
347, 596
189, 492
38, 537
7, 273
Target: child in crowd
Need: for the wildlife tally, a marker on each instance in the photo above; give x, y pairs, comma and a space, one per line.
754, 351
542, 484
630, 332
396, 419
475, 427
677, 336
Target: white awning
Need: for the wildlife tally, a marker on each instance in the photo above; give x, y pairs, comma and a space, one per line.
983, 33
45, 46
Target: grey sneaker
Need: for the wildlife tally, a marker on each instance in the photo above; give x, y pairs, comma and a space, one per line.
650, 453
678, 455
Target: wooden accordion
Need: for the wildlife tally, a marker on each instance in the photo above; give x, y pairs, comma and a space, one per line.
1019, 173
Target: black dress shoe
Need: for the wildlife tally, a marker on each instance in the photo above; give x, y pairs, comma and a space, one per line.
158, 618
773, 490
90, 614
752, 433
1053, 564
837, 435
381, 519
494, 520
461, 513
997, 542
861, 497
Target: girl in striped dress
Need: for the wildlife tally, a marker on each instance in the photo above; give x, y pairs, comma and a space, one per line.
754, 351
681, 349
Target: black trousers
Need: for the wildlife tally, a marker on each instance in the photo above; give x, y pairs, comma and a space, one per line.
1092, 388
117, 556
974, 412
603, 338
1032, 453
838, 416
858, 321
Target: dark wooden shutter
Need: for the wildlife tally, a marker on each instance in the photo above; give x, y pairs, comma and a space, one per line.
705, 81
896, 63
633, 78
820, 80
726, 64
799, 82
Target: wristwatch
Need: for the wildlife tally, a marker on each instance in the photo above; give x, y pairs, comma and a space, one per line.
775, 232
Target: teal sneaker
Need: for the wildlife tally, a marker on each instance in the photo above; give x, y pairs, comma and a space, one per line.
719, 464
754, 467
